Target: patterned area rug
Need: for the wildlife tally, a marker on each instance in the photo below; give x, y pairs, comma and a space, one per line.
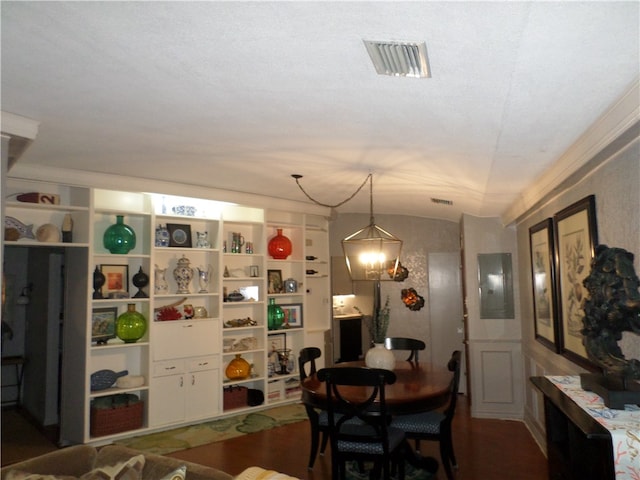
215, 431
410, 473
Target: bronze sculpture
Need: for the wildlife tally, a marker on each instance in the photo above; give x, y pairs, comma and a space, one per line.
612, 307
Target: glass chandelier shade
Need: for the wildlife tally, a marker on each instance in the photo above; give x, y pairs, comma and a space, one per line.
372, 253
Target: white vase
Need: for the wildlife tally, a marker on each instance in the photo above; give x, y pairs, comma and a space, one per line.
379, 357
161, 285
183, 274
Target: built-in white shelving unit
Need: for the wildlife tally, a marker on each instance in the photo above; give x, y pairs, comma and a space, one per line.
183, 361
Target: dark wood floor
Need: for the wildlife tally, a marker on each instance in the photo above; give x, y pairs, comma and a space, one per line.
21, 439
485, 449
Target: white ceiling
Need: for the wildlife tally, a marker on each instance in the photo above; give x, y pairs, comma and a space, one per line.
240, 95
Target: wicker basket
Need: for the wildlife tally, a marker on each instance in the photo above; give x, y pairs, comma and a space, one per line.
123, 415
235, 397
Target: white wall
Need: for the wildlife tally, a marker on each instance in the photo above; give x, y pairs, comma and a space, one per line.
614, 177
495, 356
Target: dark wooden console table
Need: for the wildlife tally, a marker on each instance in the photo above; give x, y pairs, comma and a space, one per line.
578, 447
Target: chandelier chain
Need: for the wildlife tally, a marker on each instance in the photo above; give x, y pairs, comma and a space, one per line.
370, 176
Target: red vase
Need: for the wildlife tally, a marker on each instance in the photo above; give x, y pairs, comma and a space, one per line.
279, 246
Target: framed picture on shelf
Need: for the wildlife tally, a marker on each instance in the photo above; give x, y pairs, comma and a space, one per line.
275, 281
543, 283
116, 281
576, 235
292, 315
103, 324
179, 235
277, 341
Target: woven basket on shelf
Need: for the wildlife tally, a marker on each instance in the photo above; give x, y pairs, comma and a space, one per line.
125, 412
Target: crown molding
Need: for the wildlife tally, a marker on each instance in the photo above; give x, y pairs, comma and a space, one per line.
21, 132
621, 116
84, 178
16, 125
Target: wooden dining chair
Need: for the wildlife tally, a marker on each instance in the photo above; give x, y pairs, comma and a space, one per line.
436, 425
401, 343
359, 427
318, 419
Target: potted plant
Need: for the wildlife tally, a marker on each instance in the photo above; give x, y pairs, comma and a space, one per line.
380, 323
378, 356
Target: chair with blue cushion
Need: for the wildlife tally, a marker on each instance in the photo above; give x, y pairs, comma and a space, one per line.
318, 419
436, 425
400, 343
359, 425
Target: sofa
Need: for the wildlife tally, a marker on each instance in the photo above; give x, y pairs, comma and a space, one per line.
111, 461
85, 462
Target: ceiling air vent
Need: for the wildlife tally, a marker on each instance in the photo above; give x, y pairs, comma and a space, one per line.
399, 59
441, 201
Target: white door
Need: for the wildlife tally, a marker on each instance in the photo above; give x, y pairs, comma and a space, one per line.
445, 309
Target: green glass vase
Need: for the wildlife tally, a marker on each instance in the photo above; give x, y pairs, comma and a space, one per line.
131, 325
275, 315
119, 238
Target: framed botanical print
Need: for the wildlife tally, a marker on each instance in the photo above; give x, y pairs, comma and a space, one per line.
576, 236
543, 282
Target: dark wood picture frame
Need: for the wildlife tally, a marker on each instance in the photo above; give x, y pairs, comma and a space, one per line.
575, 235
277, 341
274, 281
543, 283
103, 324
116, 280
179, 235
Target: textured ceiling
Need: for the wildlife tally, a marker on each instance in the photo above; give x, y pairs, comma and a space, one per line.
239, 95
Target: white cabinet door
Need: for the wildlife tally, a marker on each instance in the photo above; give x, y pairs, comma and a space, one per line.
185, 338
203, 394
185, 390
167, 402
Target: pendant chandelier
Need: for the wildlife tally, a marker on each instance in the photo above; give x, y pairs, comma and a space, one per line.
371, 253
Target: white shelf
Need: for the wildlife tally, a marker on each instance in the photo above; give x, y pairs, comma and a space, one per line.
25, 242
115, 391
45, 207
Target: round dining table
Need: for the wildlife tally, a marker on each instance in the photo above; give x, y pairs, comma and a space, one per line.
419, 387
